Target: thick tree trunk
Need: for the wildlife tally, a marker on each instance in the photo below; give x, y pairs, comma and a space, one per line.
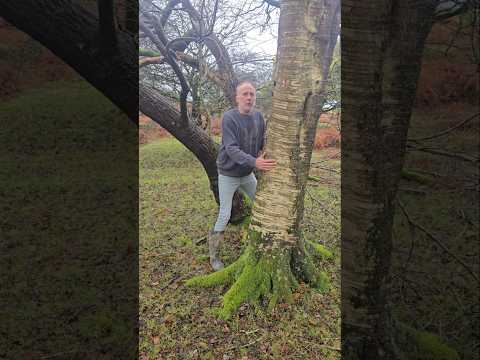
382, 43
72, 33
276, 256
160, 110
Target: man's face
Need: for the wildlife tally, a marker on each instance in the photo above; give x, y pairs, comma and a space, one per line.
245, 98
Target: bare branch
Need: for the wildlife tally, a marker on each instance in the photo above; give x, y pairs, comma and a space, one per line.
446, 131
159, 39
437, 241
168, 10
214, 18
434, 151
274, 3
151, 61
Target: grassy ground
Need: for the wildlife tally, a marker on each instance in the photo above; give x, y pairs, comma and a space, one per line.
433, 285
68, 264
176, 322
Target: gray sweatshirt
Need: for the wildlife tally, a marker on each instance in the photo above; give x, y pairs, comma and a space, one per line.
242, 140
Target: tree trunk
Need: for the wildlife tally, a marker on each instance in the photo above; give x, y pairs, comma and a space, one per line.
72, 33
382, 44
276, 256
160, 110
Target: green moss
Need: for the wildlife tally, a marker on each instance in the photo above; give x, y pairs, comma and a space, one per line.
305, 269
431, 347
252, 282
264, 272
225, 276
427, 346
320, 250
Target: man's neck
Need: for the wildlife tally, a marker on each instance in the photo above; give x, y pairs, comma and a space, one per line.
245, 113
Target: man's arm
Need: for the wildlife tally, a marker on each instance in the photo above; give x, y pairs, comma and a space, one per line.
230, 140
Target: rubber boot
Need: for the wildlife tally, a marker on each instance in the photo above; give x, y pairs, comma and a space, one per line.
214, 240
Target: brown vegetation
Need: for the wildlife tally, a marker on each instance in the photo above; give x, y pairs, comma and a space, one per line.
328, 137
148, 130
20, 61
448, 72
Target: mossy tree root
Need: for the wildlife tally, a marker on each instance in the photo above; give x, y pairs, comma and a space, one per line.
304, 267
269, 275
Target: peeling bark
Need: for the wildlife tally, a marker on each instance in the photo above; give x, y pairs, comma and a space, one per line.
276, 257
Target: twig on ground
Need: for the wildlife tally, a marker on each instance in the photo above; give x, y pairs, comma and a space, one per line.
334, 348
326, 168
321, 205
200, 240
334, 156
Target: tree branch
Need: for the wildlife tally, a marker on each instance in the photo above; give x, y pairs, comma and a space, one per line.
437, 241
107, 26
168, 10
150, 61
443, 153
274, 3
159, 39
72, 35
446, 131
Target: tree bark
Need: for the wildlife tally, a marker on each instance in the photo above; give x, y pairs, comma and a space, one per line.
382, 43
276, 256
72, 33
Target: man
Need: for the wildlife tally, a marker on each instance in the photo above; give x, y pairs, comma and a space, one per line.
243, 130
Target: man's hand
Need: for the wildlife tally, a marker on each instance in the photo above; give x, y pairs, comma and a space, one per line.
264, 164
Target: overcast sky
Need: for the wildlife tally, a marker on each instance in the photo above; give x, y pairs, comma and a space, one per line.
263, 42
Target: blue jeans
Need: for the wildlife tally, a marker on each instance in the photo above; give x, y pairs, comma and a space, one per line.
227, 185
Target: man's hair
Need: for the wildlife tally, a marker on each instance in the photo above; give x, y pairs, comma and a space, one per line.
240, 83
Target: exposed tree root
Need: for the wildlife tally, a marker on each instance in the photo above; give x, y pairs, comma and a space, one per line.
269, 275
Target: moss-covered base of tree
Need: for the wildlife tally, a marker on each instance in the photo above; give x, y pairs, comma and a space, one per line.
267, 273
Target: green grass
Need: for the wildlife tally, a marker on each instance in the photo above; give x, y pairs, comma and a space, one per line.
63, 267
177, 208
434, 293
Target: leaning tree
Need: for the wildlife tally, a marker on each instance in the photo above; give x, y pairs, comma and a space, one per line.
276, 256
182, 37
